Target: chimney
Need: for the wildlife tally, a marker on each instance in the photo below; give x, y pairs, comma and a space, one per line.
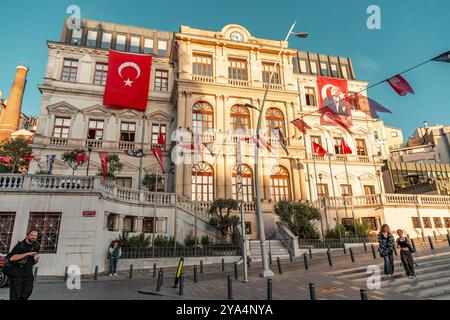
11, 115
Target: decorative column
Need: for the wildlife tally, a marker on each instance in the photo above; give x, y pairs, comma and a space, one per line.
220, 177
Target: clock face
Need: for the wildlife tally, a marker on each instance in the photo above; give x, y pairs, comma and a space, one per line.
237, 36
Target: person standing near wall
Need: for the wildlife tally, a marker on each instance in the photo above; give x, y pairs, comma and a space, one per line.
115, 252
387, 245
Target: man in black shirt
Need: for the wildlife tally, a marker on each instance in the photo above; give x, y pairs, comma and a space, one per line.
23, 257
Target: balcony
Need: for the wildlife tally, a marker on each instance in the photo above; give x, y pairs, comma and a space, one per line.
201, 78
340, 158
238, 83
273, 86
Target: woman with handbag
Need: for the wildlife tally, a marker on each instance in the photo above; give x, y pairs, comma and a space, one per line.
406, 251
387, 244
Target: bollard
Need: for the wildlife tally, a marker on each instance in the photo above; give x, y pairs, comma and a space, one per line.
344, 248
236, 271
270, 257
66, 275
162, 276
413, 243
223, 265
131, 271
290, 257
181, 287
248, 262
431, 243
363, 294
201, 266
35, 273
158, 281
280, 271
154, 270
352, 255
310, 253
365, 246
312, 291
195, 274
96, 273
435, 236
448, 239
374, 252
269, 289
330, 260
305, 259
230, 288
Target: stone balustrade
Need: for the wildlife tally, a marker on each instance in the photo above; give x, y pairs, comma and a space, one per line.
342, 158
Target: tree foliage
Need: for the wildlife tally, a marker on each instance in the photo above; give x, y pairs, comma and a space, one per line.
300, 218
16, 149
149, 181
220, 215
70, 158
114, 167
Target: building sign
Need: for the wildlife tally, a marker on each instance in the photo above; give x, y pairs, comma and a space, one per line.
89, 214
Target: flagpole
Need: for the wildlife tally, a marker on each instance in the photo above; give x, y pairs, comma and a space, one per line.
154, 209
141, 161
351, 195
334, 191
317, 185
240, 191
373, 155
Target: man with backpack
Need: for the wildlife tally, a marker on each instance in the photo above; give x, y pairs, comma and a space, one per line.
19, 266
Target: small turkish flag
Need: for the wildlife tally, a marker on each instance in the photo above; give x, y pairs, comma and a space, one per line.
319, 150
301, 125
345, 148
157, 152
104, 160
400, 85
128, 80
161, 138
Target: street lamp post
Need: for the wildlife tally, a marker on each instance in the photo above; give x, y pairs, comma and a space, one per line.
90, 148
266, 272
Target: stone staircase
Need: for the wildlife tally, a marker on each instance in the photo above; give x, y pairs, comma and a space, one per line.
276, 247
432, 282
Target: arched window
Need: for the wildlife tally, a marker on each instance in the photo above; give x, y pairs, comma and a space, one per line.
240, 118
280, 184
274, 119
202, 182
247, 184
202, 117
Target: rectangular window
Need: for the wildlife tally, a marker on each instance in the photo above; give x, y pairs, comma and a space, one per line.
162, 47
155, 132
91, 40
96, 128
6, 230
375, 135
427, 222
202, 65
112, 222
128, 224
121, 41
101, 72
361, 147
334, 70
76, 36
369, 190
338, 146
322, 189
437, 222
267, 69
161, 80
313, 65
126, 182
303, 66
237, 69
353, 100
47, 226
415, 222
394, 134
347, 222
135, 44
310, 96
106, 40
370, 221
324, 69
148, 225
248, 228
70, 70
294, 64
346, 190
148, 46
344, 70
61, 128
447, 223
127, 131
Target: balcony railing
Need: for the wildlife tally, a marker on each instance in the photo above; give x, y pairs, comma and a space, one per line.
238, 83
349, 158
273, 86
200, 251
201, 78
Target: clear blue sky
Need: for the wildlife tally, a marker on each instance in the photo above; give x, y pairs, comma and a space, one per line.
412, 31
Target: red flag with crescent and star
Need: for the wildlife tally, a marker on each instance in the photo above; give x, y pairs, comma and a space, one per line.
333, 102
104, 161
345, 148
318, 149
128, 80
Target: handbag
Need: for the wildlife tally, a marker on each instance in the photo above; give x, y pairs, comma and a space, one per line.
9, 265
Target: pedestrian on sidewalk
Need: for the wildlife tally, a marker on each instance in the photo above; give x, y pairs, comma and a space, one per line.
406, 251
20, 262
115, 252
387, 245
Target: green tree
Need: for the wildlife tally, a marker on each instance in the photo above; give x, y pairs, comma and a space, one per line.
16, 149
150, 181
221, 219
348, 230
300, 218
70, 158
114, 167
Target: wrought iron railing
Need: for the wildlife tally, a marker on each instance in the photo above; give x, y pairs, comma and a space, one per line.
335, 243
201, 251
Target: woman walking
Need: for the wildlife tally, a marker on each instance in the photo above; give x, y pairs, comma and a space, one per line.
115, 252
406, 251
387, 246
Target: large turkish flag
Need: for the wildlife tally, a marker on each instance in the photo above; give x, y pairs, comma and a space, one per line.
128, 80
333, 101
